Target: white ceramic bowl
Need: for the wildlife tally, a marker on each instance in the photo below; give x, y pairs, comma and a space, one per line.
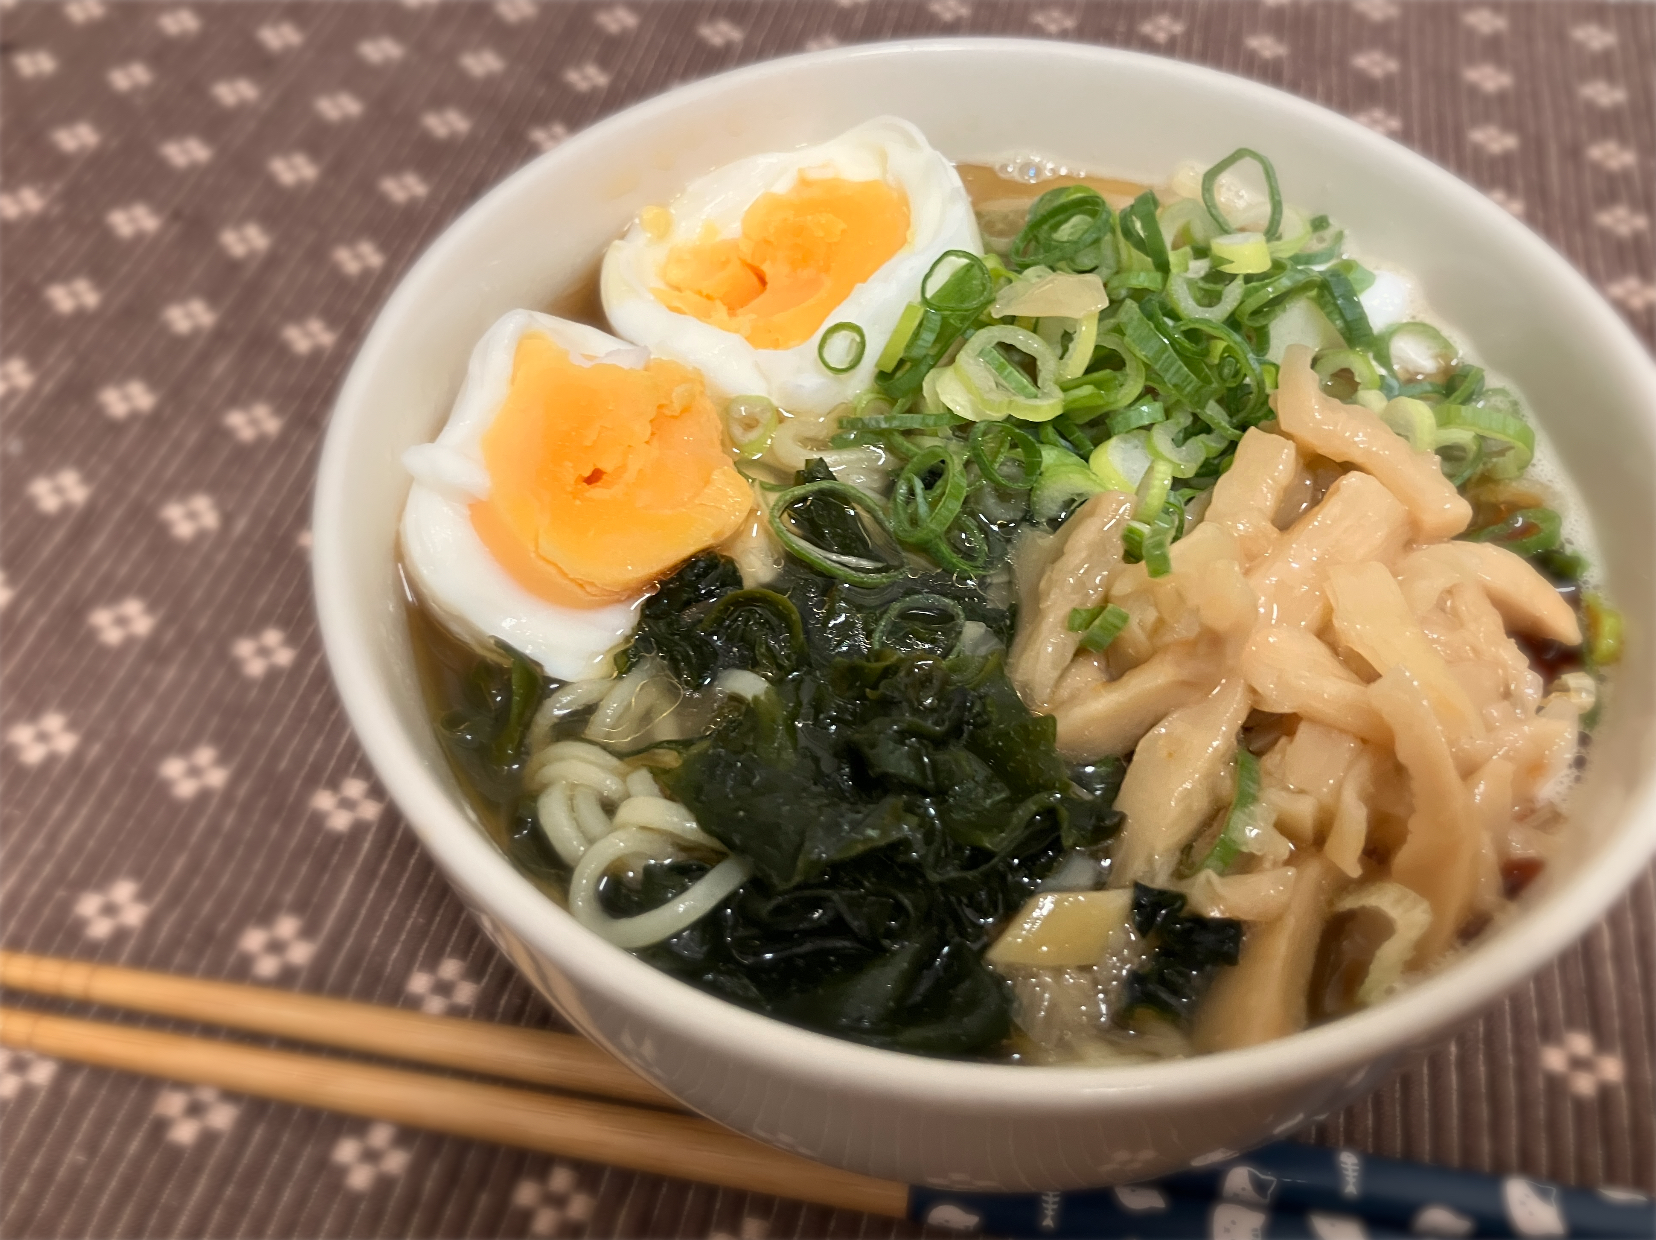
930, 1120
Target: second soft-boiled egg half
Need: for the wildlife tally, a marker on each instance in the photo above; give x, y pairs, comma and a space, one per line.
574, 471
744, 271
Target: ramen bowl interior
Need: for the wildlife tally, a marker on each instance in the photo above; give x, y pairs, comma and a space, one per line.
1525, 311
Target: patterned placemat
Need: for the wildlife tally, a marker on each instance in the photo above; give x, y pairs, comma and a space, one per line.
202, 207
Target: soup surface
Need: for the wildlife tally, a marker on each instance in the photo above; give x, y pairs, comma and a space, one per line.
1126, 627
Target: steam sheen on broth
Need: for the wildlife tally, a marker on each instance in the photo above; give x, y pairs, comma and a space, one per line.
1144, 634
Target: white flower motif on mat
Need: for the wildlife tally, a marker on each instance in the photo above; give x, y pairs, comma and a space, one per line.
192, 515
1491, 79
1622, 220
189, 317
482, 63
185, 152
850, 4
20, 1068
446, 123
418, 4
1507, 201
53, 493
82, 11
178, 23
308, 336
1266, 46
15, 376
337, 106
545, 137
134, 220
22, 203
1594, 37
1493, 138
194, 772
116, 907
552, 1201
1375, 63
1631, 291
446, 988
719, 33
403, 187
372, 1155
344, 807
39, 739
276, 947
234, 92
121, 400
255, 422
1602, 94
1583, 1066
7, 593
193, 1110
949, 10
38, 63
280, 36
118, 623
302, 540
820, 43
1161, 28
257, 655
358, 257
293, 168
586, 77
1441, 1220
72, 296
380, 50
130, 77
244, 240
1612, 156
1054, 22
512, 12
1484, 21
75, 138
615, 19
1378, 10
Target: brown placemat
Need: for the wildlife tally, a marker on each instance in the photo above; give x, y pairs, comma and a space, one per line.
201, 208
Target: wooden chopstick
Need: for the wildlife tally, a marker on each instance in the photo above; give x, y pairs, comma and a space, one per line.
539, 1057
658, 1142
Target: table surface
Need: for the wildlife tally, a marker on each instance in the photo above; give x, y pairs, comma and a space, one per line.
202, 207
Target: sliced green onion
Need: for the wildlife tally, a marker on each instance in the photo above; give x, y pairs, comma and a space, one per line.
1514, 438
1604, 630
1526, 532
1078, 355
1183, 460
955, 620
1413, 419
999, 389
1103, 625
921, 513
1460, 452
1210, 181
855, 569
750, 421
1065, 228
1124, 282
1182, 289
1157, 354
1180, 259
1103, 390
1469, 386
1142, 230
1140, 413
975, 546
1362, 279
1153, 490
1190, 217
1064, 479
1323, 246
1243, 253
1338, 299
1233, 836
851, 352
1413, 351
1331, 364
990, 443
1227, 341
1122, 461
900, 336
1296, 233
967, 289
1266, 299
1155, 550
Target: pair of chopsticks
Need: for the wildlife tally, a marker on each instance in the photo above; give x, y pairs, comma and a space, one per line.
1281, 1190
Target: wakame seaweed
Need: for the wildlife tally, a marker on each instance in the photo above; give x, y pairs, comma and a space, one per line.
1185, 949
485, 734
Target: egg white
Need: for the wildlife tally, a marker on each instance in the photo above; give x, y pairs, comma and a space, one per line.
888, 149
448, 564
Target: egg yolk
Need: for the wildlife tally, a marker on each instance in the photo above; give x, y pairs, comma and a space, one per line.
799, 256
602, 478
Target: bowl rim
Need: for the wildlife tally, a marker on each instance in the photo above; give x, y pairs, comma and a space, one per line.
1455, 992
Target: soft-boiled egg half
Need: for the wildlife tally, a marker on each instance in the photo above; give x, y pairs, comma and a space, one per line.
742, 273
574, 471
